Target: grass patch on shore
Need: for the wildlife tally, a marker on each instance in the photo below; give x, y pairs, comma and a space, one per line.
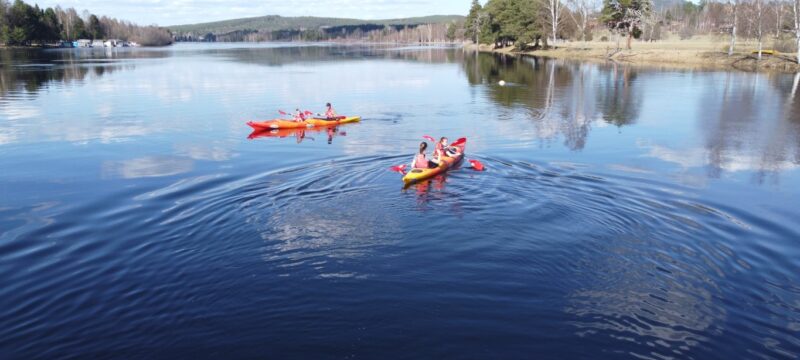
700, 51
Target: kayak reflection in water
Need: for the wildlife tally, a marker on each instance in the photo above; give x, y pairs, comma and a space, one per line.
420, 161
331, 133
298, 134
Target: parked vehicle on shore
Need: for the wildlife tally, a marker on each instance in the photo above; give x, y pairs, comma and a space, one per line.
82, 43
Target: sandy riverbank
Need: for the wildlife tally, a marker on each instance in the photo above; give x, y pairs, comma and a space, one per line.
703, 52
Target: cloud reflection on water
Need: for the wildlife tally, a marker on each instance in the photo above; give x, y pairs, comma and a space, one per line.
150, 166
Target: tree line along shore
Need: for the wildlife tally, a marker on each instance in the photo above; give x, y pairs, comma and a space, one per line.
741, 34
24, 25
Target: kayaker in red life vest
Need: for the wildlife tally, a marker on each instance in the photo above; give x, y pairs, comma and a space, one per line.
438, 151
299, 116
420, 161
329, 112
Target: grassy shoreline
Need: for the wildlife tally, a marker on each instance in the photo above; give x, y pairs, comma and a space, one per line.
703, 53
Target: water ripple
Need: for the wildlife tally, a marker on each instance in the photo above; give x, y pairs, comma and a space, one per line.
641, 263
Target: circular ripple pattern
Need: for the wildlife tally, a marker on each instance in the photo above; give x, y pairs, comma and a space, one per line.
335, 259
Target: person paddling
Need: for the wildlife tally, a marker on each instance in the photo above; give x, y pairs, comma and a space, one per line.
299, 116
420, 161
438, 151
329, 112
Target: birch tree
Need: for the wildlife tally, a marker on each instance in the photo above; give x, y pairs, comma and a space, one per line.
554, 9
796, 13
759, 20
735, 5
582, 10
778, 7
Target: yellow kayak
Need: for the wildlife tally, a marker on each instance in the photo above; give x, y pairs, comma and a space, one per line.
336, 121
445, 164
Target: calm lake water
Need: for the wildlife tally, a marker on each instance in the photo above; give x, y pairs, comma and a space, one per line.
624, 212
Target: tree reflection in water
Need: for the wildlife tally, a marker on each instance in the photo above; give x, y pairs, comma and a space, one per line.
748, 122
562, 97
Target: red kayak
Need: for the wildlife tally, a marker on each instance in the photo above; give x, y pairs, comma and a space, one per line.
308, 123
278, 124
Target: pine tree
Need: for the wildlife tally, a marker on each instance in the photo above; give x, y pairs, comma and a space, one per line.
625, 16
472, 25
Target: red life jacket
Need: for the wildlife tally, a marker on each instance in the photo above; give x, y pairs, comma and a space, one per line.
439, 150
420, 162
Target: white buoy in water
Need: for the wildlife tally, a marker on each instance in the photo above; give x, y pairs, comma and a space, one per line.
502, 83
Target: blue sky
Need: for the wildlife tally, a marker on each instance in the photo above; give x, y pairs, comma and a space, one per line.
175, 12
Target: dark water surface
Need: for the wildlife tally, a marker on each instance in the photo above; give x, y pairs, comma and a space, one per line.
624, 213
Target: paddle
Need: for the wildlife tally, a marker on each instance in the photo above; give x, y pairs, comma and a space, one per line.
335, 118
399, 168
282, 112
476, 165
429, 138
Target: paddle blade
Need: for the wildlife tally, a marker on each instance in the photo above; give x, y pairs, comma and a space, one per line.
282, 112
459, 142
476, 165
398, 168
427, 137
308, 112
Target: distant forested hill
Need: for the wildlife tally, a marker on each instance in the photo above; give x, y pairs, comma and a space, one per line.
277, 23
274, 27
